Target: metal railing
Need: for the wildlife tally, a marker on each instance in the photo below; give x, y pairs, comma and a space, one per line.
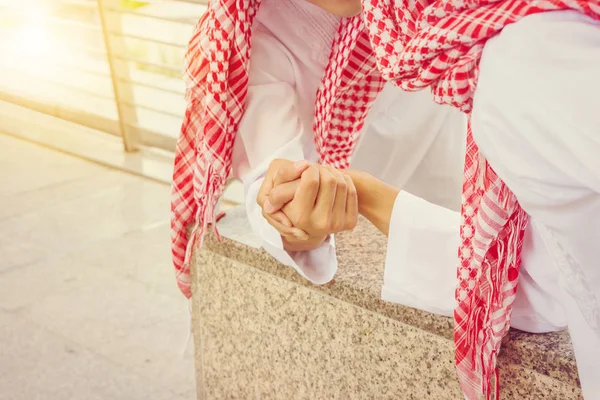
111, 65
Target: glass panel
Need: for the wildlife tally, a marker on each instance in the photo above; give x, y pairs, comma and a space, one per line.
118, 71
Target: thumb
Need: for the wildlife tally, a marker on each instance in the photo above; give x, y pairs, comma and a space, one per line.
280, 196
289, 172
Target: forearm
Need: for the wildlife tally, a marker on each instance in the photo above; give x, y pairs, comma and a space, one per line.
375, 199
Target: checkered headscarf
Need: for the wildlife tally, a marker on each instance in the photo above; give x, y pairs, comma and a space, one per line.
438, 44
217, 84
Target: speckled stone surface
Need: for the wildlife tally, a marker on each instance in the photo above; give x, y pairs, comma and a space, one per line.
265, 337
262, 331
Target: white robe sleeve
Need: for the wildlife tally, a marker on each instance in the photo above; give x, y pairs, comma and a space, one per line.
420, 266
272, 128
421, 261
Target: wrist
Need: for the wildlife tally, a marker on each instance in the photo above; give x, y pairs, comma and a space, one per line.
365, 187
375, 199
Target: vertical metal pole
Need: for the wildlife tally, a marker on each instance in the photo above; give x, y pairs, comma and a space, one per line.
129, 141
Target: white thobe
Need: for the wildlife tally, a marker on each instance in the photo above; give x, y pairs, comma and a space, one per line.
408, 141
536, 118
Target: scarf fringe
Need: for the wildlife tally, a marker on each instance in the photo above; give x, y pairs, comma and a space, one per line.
482, 338
206, 214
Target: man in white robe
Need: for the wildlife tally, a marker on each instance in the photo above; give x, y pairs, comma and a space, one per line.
545, 145
408, 141
535, 120
203, 158
424, 141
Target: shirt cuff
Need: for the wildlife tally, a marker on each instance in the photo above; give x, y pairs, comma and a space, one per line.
420, 267
318, 266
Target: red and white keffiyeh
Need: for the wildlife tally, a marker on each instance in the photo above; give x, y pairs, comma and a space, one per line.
438, 43
217, 83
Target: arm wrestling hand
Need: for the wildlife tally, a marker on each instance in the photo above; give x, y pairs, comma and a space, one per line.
324, 201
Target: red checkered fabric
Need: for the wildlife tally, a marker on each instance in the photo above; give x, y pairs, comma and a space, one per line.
217, 84
438, 44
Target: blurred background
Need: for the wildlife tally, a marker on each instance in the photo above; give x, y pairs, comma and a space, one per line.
91, 102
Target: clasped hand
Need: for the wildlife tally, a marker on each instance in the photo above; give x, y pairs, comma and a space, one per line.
307, 202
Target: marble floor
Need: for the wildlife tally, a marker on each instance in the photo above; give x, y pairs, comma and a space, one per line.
89, 309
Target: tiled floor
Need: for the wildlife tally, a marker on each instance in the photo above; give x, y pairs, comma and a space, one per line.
89, 309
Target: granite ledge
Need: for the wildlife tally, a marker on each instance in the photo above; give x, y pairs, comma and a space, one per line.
361, 258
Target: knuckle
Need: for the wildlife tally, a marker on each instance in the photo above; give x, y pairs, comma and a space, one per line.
274, 166
265, 215
337, 225
278, 174
301, 220
322, 225
274, 196
351, 222
352, 191
330, 181
342, 185
312, 183
261, 196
